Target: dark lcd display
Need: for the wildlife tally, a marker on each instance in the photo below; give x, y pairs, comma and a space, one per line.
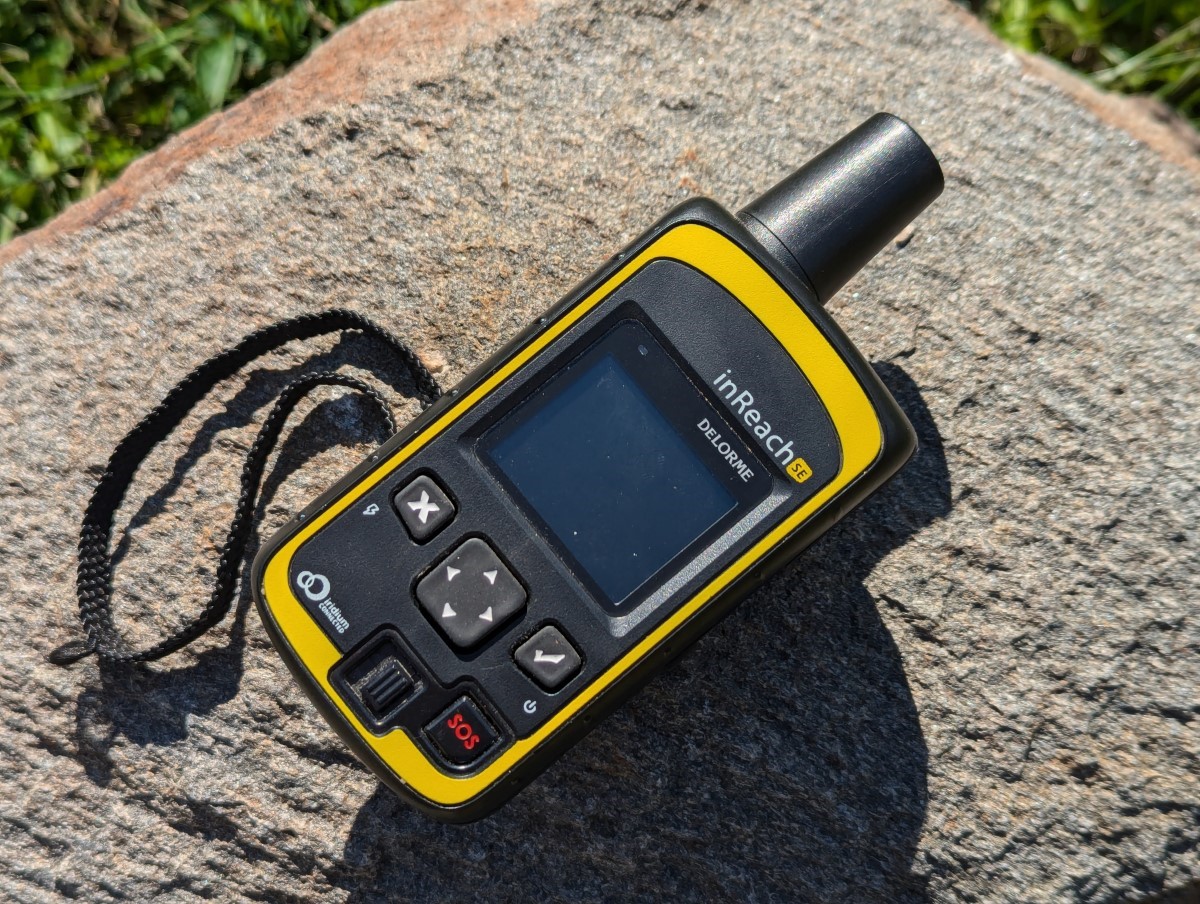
611, 477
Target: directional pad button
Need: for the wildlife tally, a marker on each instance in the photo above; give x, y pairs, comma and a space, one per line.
470, 594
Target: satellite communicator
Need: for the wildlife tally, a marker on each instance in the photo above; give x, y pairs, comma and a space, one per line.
502, 573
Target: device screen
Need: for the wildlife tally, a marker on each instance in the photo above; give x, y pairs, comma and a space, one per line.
597, 459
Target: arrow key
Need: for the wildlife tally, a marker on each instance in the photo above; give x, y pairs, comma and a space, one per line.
470, 594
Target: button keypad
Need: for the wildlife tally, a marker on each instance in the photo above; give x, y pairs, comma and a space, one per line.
470, 594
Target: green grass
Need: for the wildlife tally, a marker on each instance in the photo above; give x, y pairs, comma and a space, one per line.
86, 86
1133, 46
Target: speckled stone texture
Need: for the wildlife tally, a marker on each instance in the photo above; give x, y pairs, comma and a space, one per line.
983, 686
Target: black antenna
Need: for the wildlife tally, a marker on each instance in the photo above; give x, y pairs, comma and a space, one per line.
831, 216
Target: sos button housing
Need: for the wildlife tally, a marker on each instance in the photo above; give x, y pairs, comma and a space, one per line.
469, 601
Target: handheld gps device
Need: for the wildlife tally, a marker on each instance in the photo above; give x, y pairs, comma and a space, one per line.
504, 571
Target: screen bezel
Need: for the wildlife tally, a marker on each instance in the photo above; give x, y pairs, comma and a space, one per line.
677, 395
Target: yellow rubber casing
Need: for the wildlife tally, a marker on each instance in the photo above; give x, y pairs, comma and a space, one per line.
728, 264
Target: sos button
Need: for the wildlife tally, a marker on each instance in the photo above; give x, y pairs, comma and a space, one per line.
461, 734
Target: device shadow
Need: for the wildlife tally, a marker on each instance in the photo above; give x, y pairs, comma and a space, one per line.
150, 705
783, 758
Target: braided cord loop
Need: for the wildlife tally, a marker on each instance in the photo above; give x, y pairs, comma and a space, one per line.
95, 571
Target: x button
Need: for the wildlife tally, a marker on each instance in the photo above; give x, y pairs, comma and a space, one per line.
423, 507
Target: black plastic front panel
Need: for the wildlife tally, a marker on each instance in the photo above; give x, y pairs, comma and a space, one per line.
372, 566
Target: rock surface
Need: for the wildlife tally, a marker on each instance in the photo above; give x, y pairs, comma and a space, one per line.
980, 687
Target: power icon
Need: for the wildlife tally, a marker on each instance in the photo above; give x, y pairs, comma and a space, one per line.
530, 707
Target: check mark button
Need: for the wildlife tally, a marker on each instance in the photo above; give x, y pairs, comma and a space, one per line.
548, 658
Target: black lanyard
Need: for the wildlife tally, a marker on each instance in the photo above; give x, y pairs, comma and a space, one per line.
94, 579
